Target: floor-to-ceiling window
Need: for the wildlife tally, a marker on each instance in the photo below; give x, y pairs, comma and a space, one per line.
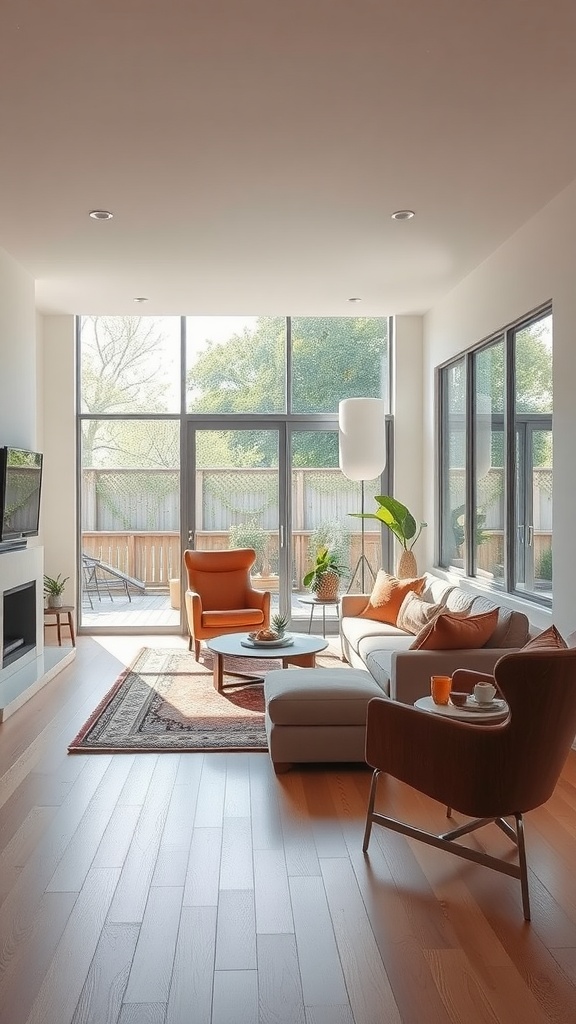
495, 499
215, 432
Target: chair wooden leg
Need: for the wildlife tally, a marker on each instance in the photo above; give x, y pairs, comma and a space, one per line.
370, 810
197, 650
523, 866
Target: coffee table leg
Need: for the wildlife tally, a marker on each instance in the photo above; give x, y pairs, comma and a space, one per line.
303, 660
218, 671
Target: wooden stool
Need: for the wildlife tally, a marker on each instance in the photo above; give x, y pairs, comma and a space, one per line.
66, 610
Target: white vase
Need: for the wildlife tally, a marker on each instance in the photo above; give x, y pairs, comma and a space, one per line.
55, 600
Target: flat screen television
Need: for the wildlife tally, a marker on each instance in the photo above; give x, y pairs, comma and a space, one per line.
20, 487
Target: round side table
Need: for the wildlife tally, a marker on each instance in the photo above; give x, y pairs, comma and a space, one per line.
450, 711
315, 603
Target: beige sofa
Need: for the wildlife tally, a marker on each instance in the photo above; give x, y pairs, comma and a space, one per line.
404, 675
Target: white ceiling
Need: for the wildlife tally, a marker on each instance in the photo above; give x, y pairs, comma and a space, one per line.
252, 151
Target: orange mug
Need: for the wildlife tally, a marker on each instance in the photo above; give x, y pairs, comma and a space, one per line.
440, 687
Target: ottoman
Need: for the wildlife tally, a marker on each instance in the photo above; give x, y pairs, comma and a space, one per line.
317, 714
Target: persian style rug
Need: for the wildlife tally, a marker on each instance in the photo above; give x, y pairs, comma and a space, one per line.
166, 701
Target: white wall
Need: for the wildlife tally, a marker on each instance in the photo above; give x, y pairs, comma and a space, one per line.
18, 419
59, 500
537, 264
407, 409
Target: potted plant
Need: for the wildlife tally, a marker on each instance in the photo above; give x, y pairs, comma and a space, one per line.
401, 522
324, 577
54, 588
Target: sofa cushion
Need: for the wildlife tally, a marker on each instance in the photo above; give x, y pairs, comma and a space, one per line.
399, 642
548, 638
355, 628
450, 632
387, 595
435, 590
459, 601
512, 628
415, 613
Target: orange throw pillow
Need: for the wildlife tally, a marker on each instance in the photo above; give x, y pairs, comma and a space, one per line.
387, 595
448, 632
549, 638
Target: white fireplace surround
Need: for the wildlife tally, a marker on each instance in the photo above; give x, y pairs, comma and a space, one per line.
23, 677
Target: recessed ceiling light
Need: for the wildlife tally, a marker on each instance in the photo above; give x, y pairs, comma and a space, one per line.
140, 298
101, 214
402, 215
355, 298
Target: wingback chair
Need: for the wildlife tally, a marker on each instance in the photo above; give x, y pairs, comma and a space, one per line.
488, 772
220, 597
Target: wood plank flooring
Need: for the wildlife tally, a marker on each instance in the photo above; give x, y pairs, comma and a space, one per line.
164, 889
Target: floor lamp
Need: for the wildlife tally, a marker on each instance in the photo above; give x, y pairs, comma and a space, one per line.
362, 453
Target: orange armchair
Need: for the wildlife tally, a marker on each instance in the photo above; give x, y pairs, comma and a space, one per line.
488, 772
220, 597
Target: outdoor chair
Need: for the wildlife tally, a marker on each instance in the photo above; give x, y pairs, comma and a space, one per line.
220, 597
488, 772
98, 577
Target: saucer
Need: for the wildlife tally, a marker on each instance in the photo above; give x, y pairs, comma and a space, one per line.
496, 704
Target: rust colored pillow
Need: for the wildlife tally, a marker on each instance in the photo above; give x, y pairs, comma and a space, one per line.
387, 596
448, 632
549, 638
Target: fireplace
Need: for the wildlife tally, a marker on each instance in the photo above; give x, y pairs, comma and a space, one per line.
18, 622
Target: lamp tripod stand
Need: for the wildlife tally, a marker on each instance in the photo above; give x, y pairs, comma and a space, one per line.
362, 564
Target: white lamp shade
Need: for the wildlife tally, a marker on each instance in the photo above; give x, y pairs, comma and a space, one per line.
362, 437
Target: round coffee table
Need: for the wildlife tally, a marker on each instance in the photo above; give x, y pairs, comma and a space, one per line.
450, 711
301, 652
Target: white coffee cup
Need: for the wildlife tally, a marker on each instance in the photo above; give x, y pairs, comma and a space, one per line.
484, 692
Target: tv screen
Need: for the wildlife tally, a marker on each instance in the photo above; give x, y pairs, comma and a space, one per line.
20, 484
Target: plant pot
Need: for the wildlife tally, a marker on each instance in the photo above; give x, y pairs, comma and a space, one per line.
407, 567
55, 600
328, 587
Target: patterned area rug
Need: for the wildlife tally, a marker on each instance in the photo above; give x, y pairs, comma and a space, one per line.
167, 701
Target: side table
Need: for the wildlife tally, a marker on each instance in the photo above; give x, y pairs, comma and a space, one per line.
66, 610
449, 711
315, 603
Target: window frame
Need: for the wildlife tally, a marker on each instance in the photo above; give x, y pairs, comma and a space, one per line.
507, 335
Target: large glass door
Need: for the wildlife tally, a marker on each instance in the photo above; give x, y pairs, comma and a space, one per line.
277, 487
534, 505
234, 495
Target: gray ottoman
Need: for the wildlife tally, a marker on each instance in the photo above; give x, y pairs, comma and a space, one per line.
317, 714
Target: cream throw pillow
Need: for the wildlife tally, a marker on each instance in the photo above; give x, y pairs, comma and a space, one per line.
415, 613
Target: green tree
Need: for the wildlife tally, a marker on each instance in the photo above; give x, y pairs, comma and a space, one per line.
332, 358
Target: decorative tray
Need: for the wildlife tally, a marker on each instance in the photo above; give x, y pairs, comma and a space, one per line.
283, 641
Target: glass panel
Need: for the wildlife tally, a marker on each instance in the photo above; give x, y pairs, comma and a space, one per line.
542, 510
489, 459
129, 364
453, 459
130, 522
335, 358
322, 497
235, 364
236, 497
533, 402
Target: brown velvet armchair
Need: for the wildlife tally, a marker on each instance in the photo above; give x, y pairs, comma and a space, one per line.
488, 772
220, 597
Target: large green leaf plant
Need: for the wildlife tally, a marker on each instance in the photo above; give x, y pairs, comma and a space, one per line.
397, 518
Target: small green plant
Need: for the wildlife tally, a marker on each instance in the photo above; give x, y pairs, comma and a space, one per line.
55, 587
326, 567
250, 535
279, 623
544, 569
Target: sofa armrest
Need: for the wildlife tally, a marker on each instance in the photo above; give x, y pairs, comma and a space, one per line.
411, 670
353, 604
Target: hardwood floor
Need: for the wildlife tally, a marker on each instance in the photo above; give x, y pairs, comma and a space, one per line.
163, 889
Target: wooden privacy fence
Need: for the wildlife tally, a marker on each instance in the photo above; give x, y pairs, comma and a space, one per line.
155, 558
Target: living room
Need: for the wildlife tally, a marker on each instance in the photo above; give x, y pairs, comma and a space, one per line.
523, 260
